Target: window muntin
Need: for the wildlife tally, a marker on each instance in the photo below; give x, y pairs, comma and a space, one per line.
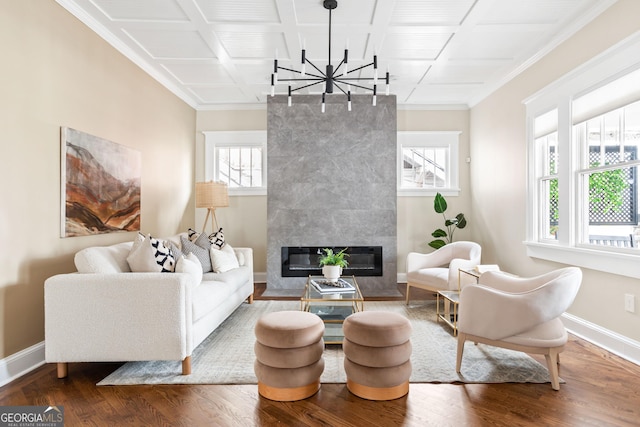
427, 163
239, 159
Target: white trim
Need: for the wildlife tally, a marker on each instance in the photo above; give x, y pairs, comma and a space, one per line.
259, 277
21, 363
621, 263
611, 341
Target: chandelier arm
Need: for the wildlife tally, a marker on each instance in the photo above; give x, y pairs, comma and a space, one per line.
314, 66
338, 86
360, 68
306, 86
299, 72
352, 84
355, 79
319, 79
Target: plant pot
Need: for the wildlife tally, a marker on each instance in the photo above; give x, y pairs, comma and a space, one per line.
332, 272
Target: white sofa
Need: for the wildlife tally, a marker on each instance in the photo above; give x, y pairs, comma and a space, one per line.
106, 313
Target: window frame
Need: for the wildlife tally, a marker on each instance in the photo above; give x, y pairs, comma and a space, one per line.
431, 139
613, 64
234, 139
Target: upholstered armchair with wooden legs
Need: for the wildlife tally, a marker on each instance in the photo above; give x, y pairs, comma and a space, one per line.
438, 270
520, 314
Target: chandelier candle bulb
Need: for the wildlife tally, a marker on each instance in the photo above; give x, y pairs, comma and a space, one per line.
273, 88
289, 98
304, 60
374, 95
386, 90
349, 100
323, 102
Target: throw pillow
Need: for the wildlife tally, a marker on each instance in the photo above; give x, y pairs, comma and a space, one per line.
223, 260
201, 253
191, 265
193, 234
217, 238
163, 255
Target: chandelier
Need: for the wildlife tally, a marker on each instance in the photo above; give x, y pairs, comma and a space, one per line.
331, 78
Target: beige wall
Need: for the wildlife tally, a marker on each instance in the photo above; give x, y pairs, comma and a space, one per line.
57, 72
498, 151
245, 220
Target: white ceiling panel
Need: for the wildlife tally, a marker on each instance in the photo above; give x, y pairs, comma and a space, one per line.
347, 13
171, 44
199, 73
248, 44
219, 53
430, 12
141, 10
239, 11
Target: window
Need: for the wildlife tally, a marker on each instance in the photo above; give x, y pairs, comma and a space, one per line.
427, 163
239, 159
584, 135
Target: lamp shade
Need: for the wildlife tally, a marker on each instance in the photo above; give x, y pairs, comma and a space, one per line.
211, 194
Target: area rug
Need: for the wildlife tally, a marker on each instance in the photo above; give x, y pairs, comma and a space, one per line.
226, 356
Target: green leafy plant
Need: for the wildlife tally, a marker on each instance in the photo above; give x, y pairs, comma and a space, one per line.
334, 258
440, 206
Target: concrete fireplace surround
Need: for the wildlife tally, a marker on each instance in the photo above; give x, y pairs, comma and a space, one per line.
332, 182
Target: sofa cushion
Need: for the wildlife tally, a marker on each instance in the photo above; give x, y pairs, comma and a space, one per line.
200, 252
223, 260
237, 275
149, 254
209, 295
191, 265
104, 259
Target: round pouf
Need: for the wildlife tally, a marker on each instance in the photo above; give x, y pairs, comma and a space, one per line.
288, 351
377, 354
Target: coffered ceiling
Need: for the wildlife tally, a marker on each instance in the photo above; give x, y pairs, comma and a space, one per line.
218, 54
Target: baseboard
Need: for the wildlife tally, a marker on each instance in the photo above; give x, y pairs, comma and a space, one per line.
21, 363
259, 277
611, 341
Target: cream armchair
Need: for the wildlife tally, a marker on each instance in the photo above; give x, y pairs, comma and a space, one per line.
438, 270
520, 314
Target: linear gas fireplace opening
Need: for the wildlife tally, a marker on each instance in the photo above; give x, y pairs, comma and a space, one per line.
302, 261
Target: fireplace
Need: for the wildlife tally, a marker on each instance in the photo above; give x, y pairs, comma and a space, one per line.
302, 261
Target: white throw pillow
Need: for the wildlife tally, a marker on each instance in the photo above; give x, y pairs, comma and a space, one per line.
141, 258
190, 265
223, 260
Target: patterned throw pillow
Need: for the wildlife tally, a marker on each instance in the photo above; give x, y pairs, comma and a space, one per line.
150, 255
163, 255
201, 253
217, 238
193, 234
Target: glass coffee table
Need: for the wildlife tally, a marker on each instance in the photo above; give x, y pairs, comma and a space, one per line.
332, 306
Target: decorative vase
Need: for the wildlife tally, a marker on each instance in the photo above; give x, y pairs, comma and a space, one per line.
332, 272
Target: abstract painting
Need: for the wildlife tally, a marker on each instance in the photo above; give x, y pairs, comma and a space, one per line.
100, 185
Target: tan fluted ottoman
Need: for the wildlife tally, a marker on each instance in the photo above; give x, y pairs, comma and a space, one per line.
377, 353
288, 350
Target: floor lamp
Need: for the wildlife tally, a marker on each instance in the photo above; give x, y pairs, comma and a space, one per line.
211, 195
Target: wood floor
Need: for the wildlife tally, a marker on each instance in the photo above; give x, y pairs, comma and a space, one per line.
601, 390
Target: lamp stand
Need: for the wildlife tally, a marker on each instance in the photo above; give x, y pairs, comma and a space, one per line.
214, 222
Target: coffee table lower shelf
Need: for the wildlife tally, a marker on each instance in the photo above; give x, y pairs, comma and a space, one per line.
333, 316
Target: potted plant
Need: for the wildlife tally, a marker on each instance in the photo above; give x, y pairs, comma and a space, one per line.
332, 263
440, 206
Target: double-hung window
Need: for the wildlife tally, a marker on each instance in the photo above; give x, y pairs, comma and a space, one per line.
583, 163
428, 163
238, 159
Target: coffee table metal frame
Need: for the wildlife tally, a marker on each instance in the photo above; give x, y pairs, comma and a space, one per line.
332, 308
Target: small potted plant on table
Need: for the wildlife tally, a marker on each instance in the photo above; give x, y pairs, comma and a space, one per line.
332, 263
